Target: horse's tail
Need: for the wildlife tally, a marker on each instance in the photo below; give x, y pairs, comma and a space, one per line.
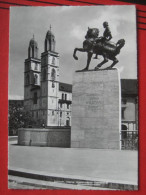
119, 45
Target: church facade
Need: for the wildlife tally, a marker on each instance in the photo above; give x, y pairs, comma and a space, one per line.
48, 100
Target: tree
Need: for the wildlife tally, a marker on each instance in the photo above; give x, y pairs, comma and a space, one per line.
19, 118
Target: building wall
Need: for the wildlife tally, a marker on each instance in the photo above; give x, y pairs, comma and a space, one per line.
65, 99
130, 113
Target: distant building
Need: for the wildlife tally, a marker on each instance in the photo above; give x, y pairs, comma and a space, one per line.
129, 114
129, 110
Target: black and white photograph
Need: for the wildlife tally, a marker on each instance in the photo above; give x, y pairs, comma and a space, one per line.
73, 98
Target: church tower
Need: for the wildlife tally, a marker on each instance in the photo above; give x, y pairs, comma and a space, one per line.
32, 73
50, 81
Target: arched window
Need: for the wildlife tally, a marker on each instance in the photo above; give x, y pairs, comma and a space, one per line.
53, 74
35, 79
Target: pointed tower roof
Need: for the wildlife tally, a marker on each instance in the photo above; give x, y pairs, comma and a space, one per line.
33, 42
49, 33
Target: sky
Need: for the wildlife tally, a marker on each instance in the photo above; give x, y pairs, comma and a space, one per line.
69, 25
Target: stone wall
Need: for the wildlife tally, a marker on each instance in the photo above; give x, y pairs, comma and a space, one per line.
51, 137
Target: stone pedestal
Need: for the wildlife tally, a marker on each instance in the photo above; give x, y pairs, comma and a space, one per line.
96, 110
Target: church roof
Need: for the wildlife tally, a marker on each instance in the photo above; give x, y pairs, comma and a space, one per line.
49, 34
65, 87
129, 86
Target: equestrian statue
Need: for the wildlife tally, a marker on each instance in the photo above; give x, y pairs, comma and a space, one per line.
94, 44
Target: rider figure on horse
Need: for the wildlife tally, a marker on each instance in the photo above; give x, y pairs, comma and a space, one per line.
93, 44
106, 35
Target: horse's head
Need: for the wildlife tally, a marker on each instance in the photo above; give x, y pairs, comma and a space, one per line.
93, 32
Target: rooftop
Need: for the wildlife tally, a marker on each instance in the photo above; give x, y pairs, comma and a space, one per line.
65, 87
129, 86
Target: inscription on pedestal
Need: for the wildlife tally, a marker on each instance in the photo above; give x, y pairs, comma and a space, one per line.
96, 110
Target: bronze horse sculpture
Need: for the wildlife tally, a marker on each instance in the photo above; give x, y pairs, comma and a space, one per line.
97, 45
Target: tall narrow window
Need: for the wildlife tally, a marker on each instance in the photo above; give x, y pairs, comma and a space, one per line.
35, 98
123, 113
68, 121
65, 96
53, 60
124, 132
60, 114
53, 74
62, 96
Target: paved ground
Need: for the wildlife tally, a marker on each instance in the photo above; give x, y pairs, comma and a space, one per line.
91, 164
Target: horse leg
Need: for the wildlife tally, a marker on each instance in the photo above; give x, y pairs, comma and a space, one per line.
89, 56
103, 62
78, 49
115, 61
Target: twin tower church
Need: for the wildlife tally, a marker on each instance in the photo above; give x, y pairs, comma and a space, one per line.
48, 99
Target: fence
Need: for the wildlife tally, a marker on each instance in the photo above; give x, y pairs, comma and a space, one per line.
129, 140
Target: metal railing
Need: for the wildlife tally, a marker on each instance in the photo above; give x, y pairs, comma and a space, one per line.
129, 140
